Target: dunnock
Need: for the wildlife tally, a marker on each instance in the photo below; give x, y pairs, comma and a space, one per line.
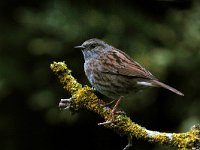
113, 73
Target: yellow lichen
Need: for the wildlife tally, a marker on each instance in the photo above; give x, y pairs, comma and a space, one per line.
186, 140
161, 138
84, 97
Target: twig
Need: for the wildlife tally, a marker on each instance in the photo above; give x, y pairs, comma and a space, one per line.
84, 98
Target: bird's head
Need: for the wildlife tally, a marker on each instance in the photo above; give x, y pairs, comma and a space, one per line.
93, 47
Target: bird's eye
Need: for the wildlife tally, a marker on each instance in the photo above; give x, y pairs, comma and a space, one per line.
93, 45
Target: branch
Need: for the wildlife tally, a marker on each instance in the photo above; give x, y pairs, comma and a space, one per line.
83, 97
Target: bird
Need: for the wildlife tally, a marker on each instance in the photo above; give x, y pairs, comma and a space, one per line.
115, 74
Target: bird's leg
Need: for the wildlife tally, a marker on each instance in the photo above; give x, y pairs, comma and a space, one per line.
106, 104
113, 112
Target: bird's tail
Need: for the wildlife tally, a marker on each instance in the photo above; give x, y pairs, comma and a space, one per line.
160, 84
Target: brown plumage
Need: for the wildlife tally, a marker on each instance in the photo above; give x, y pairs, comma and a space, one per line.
113, 73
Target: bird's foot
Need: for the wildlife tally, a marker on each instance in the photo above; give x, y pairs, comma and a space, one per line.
113, 112
106, 104
105, 123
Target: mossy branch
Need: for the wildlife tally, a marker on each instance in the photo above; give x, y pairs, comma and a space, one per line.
83, 97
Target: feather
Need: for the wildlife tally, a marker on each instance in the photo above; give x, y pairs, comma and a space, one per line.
160, 84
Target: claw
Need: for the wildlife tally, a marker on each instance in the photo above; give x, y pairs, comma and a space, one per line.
105, 123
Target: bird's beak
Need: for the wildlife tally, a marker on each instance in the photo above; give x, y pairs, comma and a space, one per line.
79, 47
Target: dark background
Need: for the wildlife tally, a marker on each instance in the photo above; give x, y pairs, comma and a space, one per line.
164, 36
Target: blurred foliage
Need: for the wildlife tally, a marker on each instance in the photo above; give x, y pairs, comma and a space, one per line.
164, 36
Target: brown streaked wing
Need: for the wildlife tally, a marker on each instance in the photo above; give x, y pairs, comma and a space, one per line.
118, 62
